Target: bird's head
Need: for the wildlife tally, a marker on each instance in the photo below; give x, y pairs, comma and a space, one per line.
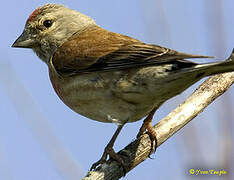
49, 26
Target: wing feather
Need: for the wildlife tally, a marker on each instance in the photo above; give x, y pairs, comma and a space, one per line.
99, 50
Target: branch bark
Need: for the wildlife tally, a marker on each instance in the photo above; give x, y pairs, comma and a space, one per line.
137, 151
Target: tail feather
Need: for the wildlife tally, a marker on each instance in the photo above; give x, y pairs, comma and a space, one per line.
217, 67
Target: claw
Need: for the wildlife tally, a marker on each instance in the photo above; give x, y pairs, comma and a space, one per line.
147, 125
101, 161
153, 138
109, 151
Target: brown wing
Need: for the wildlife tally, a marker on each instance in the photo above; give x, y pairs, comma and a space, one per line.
99, 50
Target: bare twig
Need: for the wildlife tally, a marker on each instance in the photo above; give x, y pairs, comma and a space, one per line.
138, 150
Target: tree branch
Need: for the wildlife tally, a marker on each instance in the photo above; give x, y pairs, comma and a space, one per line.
137, 151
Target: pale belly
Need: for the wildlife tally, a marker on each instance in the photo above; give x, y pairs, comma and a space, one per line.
118, 97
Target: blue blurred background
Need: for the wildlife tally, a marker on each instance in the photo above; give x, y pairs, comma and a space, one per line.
42, 139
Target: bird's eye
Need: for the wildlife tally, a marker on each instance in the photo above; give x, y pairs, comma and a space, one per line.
47, 23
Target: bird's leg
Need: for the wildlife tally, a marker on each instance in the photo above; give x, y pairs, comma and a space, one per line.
110, 151
147, 125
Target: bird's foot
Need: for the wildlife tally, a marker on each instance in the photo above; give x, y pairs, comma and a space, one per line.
109, 151
153, 137
147, 128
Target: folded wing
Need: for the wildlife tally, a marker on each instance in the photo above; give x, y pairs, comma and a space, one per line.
99, 50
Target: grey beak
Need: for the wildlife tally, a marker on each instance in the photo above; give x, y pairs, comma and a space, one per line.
24, 41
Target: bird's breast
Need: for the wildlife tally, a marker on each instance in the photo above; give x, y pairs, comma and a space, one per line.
92, 95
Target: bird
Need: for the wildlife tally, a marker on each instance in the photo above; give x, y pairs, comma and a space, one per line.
106, 76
